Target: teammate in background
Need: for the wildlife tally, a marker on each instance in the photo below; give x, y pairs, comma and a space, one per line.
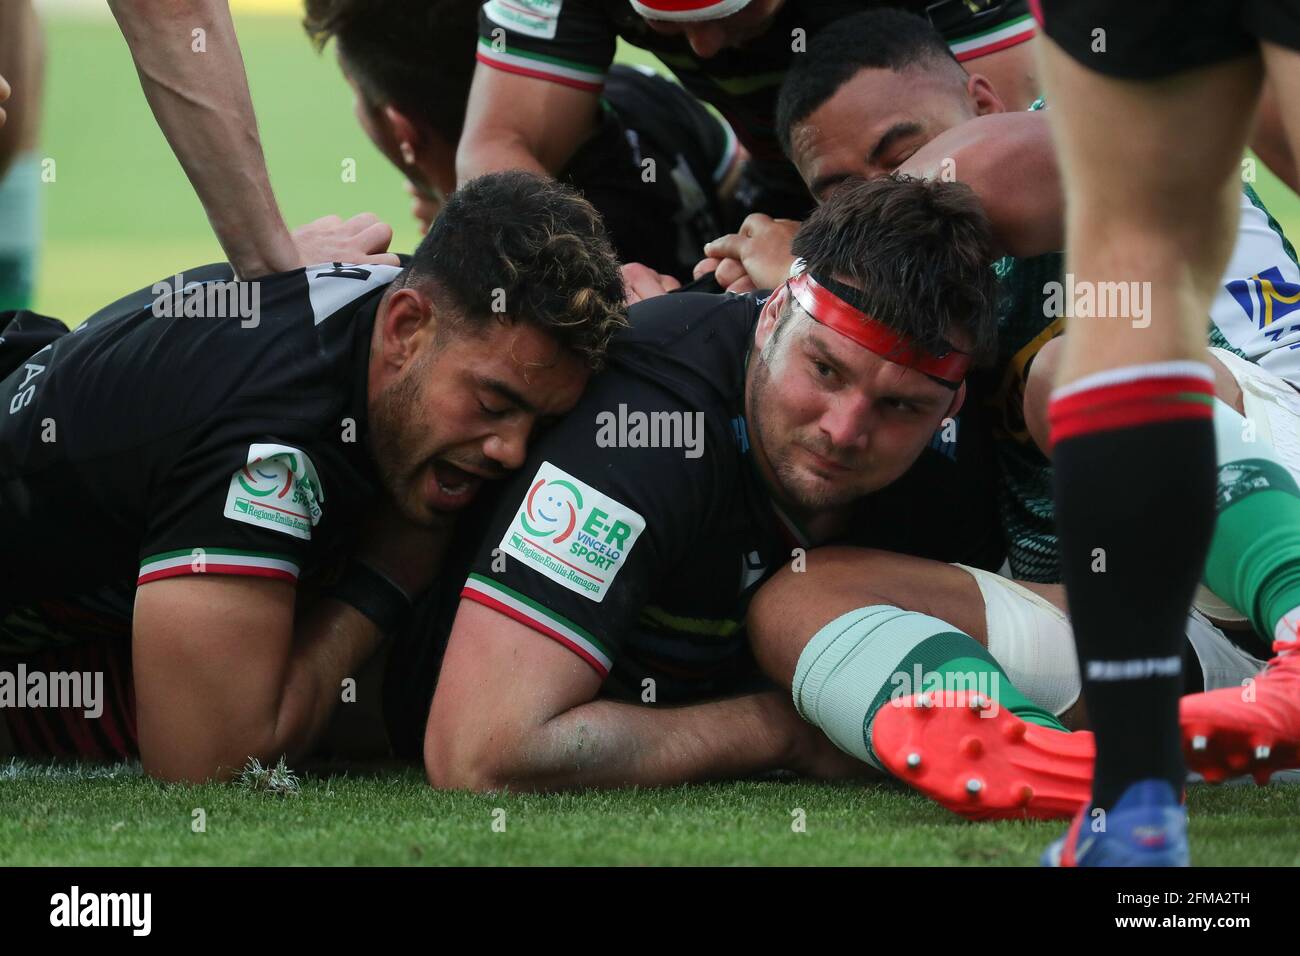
659, 167
1150, 134
542, 65
187, 470
22, 56
617, 568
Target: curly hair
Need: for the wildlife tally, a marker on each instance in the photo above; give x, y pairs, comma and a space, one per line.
524, 247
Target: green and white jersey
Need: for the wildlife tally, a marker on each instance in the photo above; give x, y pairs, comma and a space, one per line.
1256, 314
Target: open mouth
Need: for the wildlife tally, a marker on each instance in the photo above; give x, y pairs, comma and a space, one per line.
452, 487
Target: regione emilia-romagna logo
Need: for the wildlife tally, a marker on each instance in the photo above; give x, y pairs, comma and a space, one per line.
570, 532
277, 488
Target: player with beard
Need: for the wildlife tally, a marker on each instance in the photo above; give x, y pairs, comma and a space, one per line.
729, 435
188, 471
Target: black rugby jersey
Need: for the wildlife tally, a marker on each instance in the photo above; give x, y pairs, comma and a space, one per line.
642, 559
159, 439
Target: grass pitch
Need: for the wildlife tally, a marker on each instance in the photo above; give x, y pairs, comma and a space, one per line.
97, 816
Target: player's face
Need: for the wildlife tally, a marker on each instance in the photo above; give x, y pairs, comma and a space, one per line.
424, 157
454, 412
874, 123
709, 37
831, 420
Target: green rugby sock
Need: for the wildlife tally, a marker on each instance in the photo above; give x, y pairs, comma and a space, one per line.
1254, 561
860, 661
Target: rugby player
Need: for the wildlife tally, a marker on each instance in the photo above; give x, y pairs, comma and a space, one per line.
729, 435
1151, 135
542, 64
191, 478
659, 166
845, 106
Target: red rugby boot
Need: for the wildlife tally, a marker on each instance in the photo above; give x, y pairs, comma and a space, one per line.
982, 761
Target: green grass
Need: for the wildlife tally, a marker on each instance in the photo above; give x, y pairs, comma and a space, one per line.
69, 815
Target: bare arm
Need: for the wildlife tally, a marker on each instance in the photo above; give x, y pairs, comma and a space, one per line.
517, 122
220, 675
515, 709
1009, 161
201, 101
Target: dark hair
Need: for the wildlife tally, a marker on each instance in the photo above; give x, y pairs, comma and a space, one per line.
877, 39
528, 248
416, 54
919, 251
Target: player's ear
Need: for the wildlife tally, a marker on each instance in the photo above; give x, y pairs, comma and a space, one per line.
405, 134
405, 322
770, 317
983, 96
958, 400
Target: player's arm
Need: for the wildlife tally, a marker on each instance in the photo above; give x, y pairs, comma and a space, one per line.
221, 676
202, 104
513, 709
519, 122
1009, 161
536, 92
229, 667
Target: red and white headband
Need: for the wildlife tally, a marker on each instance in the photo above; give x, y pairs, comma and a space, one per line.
949, 367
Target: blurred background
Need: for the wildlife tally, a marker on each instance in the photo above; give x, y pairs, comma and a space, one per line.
120, 214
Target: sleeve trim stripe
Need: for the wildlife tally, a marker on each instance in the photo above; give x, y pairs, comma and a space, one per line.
216, 561
500, 600
994, 39
591, 82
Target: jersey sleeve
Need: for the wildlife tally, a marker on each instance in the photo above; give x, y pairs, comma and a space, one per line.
235, 508
589, 526
570, 42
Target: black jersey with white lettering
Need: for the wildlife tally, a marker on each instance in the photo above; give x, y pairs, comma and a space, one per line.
572, 42
162, 439
639, 528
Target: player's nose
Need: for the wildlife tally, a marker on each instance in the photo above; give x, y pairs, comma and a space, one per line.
706, 39
508, 448
847, 423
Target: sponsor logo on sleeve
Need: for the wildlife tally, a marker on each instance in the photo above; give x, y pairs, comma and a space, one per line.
569, 532
277, 489
533, 18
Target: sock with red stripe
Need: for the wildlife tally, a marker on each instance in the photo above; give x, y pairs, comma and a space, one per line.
1133, 456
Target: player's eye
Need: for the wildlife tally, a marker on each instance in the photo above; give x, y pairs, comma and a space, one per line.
822, 370
901, 405
492, 412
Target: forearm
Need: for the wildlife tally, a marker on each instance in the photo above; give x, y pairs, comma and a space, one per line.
331, 644
202, 104
611, 744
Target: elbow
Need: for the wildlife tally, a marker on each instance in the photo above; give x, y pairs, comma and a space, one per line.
459, 761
